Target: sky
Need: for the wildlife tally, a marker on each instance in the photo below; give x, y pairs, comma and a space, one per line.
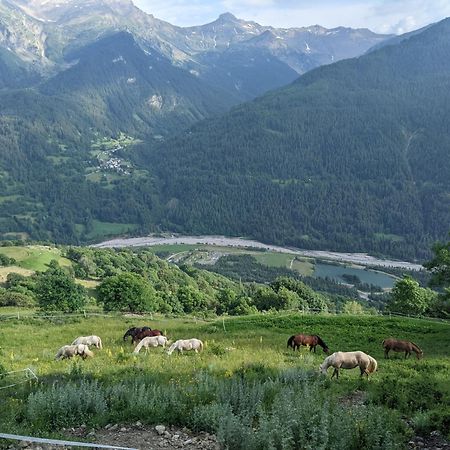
382, 16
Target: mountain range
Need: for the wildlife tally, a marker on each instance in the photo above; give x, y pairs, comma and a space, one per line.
112, 120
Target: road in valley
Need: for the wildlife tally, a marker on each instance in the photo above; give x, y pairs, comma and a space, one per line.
222, 241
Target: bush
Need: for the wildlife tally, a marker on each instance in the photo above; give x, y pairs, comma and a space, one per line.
127, 292
57, 291
12, 298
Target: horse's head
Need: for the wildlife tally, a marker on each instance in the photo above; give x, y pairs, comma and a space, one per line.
419, 354
323, 369
326, 350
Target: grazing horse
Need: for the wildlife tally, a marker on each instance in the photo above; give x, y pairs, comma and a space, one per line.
349, 360
398, 345
151, 341
305, 339
88, 340
133, 331
69, 351
144, 333
186, 344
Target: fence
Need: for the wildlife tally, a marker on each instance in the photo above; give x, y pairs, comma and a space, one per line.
16, 437
29, 376
22, 316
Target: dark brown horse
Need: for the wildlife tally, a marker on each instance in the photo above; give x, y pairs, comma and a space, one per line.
305, 339
145, 333
398, 345
133, 331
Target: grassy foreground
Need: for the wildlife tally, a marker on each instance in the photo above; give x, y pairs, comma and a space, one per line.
246, 386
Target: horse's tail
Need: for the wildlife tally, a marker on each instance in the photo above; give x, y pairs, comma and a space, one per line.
322, 343
373, 365
100, 346
201, 345
290, 341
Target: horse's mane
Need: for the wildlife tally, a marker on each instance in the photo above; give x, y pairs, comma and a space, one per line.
373, 365
415, 345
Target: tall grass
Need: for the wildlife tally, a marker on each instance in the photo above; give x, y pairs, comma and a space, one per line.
294, 410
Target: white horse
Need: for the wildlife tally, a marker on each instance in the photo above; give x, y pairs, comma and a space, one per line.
69, 351
186, 344
349, 360
151, 341
88, 340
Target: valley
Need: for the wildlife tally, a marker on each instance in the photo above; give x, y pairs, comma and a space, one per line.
225, 192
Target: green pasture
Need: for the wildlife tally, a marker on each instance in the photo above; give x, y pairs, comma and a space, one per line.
250, 351
34, 257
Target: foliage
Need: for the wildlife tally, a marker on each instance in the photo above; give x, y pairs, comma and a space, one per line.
9, 297
353, 307
128, 292
440, 269
408, 297
279, 413
57, 291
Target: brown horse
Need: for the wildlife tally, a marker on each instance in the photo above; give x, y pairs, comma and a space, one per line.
398, 345
133, 331
305, 339
145, 333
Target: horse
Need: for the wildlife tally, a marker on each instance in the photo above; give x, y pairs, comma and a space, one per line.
398, 345
133, 331
89, 340
144, 333
305, 339
349, 360
69, 351
186, 344
151, 341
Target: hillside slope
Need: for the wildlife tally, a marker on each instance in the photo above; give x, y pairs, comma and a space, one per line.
351, 156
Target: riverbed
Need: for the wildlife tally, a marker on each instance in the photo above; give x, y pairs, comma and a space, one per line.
222, 241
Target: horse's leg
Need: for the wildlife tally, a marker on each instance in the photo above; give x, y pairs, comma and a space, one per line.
386, 353
335, 373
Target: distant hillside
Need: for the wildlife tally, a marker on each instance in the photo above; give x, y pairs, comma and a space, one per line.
352, 156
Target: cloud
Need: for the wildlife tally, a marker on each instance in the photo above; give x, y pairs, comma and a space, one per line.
384, 16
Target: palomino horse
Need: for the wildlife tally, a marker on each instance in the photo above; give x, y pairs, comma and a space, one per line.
151, 341
186, 344
88, 340
133, 331
349, 360
69, 351
398, 345
305, 339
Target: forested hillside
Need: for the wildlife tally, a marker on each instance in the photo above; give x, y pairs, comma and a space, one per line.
352, 156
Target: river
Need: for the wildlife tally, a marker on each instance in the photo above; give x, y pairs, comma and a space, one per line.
222, 241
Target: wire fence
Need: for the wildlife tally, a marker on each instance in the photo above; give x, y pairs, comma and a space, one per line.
29, 375
19, 315
16, 437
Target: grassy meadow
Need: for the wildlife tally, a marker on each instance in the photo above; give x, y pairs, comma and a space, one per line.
246, 386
